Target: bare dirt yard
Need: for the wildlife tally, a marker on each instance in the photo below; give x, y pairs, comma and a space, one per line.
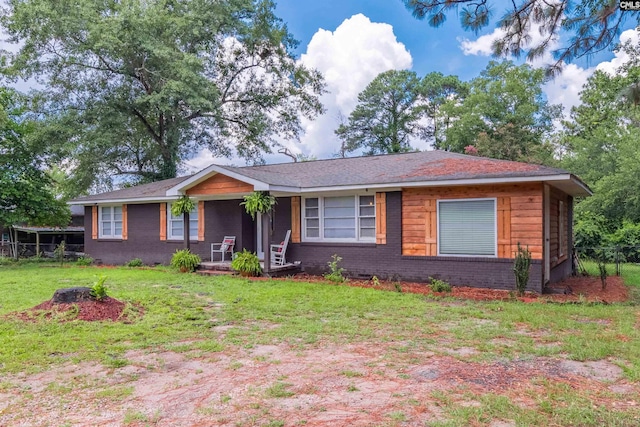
319, 384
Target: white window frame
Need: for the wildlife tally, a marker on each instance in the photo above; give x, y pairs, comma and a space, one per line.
358, 219
495, 227
193, 216
112, 221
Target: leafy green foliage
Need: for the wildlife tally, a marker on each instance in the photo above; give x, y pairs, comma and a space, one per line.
589, 26
246, 262
336, 273
504, 116
84, 261
521, 266
26, 190
133, 88
185, 261
59, 252
437, 285
136, 262
99, 289
258, 202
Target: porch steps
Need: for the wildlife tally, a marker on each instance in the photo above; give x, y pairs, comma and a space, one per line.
207, 268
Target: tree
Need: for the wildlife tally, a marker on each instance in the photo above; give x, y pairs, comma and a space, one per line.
133, 88
387, 115
504, 116
26, 194
436, 90
592, 24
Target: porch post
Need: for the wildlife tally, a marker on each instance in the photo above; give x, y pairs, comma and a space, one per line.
187, 237
266, 242
37, 243
15, 242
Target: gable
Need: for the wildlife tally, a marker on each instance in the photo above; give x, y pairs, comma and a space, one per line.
219, 184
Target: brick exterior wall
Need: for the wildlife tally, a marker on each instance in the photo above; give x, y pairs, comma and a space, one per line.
225, 217
387, 261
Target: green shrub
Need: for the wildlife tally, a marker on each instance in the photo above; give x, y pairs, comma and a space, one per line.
247, 263
99, 289
136, 262
58, 252
185, 261
84, 260
437, 285
335, 273
521, 269
6, 260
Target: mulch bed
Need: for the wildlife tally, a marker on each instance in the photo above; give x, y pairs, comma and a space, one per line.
107, 309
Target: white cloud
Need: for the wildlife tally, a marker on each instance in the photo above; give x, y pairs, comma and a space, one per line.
620, 57
349, 58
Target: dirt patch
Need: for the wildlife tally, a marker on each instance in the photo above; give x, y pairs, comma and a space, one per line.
106, 309
328, 384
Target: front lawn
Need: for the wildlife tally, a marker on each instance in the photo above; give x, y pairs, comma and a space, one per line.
212, 318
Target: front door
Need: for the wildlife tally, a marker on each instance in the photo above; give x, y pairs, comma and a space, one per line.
259, 247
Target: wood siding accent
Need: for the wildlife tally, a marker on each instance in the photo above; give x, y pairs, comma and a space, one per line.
296, 235
381, 218
94, 222
163, 221
504, 227
125, 231
519, 210
201, 221
220, 184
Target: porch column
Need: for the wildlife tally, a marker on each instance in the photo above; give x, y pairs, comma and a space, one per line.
266, 242
37, 243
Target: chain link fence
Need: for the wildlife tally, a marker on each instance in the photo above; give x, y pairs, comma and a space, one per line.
588, 260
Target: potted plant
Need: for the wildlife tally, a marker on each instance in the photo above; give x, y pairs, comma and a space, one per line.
185, 261
258, 201
246, 263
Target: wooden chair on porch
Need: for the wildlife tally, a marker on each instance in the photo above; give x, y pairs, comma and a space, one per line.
223, 247
278, 252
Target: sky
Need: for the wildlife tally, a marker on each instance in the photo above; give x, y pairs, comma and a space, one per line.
352, 41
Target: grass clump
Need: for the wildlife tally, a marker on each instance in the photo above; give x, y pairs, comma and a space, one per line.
437, 285
136, 262
84, 261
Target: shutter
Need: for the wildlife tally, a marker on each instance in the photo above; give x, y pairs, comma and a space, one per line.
381, 218
431, 227
124, 223
163, 221
467, 227
295, 220
504, 227
201, 221
94, 222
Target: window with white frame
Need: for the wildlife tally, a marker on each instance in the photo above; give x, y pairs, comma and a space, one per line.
467, 227
340, 218
175, 225
110, 220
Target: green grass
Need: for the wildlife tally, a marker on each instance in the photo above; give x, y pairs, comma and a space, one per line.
181, 312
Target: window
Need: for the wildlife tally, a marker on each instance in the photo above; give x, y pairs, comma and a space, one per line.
341, 218
110, 222
175, 225
467, 227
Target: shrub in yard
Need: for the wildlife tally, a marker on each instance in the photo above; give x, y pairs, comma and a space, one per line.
99, 290
335, 273
247, 263
437, 285
58, 252
521, 269
185, 261
136, 262
84, 260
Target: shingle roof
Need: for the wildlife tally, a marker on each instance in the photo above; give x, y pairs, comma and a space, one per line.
392, 169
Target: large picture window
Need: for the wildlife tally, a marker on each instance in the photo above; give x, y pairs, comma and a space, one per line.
110, 222
467, 227
340, 218
175, 225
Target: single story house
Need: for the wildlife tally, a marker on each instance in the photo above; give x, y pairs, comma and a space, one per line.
404, 216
